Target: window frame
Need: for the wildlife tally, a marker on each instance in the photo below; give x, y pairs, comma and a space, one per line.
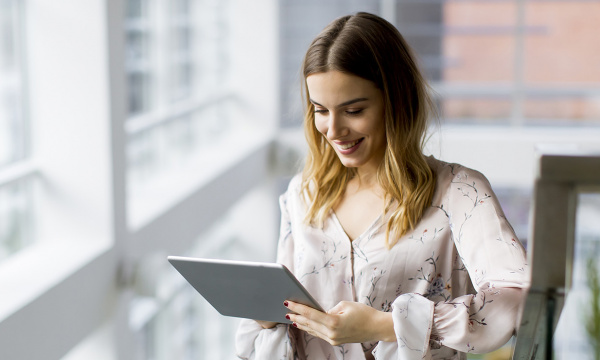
85, 285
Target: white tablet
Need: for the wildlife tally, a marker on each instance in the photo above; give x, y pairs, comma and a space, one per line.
244, 289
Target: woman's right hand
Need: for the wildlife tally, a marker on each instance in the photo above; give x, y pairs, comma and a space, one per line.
266, 324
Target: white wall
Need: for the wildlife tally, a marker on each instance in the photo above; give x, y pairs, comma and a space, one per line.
506, 155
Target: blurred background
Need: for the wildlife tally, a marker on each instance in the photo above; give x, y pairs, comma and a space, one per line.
135, 129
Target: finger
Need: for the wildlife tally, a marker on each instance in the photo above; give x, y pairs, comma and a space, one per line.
306, 311
310, 329
309, 317
305, 323
305, 316
312, 321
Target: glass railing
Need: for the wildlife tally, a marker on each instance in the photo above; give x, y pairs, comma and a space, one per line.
558, 320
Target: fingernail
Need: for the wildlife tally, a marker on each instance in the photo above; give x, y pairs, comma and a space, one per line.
287, 316
295, 325
285, 303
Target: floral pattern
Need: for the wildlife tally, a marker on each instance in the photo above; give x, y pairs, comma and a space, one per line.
454, 285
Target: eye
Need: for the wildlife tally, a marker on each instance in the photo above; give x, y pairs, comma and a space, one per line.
321, 111
354, 111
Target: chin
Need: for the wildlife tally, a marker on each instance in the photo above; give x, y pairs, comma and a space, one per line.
350, 163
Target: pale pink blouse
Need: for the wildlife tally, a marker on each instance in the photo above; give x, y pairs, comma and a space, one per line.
454, 285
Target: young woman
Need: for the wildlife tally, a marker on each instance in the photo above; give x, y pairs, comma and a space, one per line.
412, 257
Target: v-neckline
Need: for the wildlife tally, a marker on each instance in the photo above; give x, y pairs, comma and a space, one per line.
359, 237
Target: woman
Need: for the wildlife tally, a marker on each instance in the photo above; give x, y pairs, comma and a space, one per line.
412, 256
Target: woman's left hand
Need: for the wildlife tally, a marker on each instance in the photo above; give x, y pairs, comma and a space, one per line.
347, 322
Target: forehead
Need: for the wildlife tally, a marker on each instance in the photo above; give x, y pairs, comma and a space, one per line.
334, 87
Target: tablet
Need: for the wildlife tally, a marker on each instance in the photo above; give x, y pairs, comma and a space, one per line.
251, 290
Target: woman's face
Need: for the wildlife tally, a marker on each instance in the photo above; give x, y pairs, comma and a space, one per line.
349, 112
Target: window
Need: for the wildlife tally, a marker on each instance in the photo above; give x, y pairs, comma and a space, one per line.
141, 142
519, 62
506, 62
16, 192
175, 321
207, 126
139, 56
16, 206
575, 330
180, 101
13, 129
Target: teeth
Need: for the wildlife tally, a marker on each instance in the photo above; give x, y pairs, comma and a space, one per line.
349, 145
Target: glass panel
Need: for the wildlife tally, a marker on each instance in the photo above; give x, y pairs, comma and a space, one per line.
16, 208
565, 49
142, 156
181, 7
479, 42
13, 129
136, 9
180, 138
562, 57
213, 45
183, 325
544, 53
139, 88
548, 110
174, 144
578, 326
172, 332
139, 49
16, 217
479, 110
190, 69
8, 29
181, 50
477, 55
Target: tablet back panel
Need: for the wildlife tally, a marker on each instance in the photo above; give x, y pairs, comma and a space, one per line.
244, 289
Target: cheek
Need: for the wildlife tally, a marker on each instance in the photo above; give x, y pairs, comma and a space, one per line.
373, 126
378, 132
321, 126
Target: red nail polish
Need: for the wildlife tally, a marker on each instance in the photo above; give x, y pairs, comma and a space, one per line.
295, 325
287, 316
285, 303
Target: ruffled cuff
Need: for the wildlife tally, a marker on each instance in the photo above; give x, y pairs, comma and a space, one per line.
413, 321
254, 342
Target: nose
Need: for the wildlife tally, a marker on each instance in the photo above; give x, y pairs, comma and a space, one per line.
337, 128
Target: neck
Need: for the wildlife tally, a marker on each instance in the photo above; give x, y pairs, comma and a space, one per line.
366, 178
366, 175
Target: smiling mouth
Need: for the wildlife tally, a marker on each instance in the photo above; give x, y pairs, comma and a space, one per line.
349, 145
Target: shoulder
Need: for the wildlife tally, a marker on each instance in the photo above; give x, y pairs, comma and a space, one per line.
292, 194
295, 183
448, 173
294, 187
457, 179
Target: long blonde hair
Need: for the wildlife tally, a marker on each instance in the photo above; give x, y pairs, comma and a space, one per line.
368, 46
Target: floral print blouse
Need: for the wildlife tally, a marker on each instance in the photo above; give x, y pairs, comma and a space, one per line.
455, 284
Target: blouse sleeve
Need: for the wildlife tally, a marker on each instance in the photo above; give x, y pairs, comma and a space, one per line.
254, 342
496, 263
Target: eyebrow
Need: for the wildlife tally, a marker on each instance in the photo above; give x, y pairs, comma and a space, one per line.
346, 103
